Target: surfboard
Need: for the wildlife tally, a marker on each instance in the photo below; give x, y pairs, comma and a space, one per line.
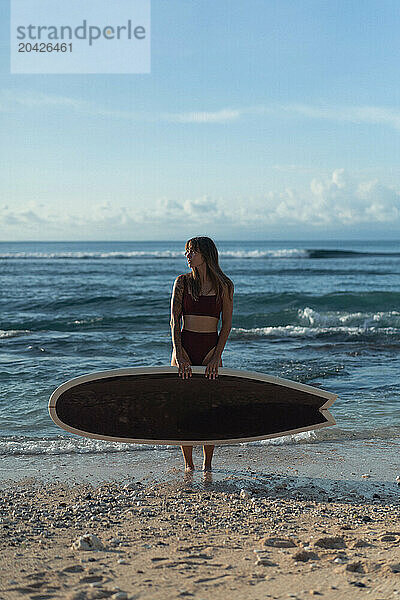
155, 406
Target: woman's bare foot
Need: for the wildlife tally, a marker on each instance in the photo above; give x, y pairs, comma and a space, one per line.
187, 452
207, 478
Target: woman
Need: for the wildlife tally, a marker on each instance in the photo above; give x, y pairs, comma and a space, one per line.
199, 298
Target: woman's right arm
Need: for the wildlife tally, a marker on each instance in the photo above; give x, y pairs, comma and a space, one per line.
176, 314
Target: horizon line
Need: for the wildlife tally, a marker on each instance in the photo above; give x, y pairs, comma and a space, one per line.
369, 240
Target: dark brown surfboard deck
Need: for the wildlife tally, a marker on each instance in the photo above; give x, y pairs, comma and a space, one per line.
155, 406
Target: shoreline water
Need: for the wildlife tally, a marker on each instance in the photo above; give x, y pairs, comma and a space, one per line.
356, 469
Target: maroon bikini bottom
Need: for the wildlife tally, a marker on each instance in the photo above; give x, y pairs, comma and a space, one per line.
198, 345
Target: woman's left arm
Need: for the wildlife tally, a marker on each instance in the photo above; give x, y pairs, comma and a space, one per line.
227, 308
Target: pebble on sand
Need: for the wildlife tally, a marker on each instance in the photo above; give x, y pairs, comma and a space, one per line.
244, 494
279, 542
355, 567
331, 543
361, 543
88, 541
304, 556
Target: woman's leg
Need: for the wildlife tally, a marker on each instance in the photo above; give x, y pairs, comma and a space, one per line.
208, 454
186, 450
208, 451
187, 455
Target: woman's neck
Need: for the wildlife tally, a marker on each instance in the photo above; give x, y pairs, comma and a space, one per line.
202, 271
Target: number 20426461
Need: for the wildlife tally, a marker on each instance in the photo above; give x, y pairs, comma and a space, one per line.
42, 47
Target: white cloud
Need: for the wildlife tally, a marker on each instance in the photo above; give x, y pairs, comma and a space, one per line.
219, 116
12, 100
339, 201
26, 217
376, 115
199, 210
202, 206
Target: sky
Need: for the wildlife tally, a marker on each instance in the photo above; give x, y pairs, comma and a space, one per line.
260, 119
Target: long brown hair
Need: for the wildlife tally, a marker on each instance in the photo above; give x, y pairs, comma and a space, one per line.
220, 282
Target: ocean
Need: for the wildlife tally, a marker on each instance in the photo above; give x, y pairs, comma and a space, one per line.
322, 313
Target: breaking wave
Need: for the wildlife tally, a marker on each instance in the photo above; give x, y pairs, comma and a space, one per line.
309, 323
301, 253
64, 445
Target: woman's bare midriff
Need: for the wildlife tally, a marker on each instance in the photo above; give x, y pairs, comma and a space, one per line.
200, 323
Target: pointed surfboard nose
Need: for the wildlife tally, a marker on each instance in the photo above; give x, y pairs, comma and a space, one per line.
154, 406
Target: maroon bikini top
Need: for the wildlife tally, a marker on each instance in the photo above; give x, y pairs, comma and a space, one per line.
207, 306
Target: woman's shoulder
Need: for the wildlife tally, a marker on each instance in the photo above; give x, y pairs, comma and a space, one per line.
182, 279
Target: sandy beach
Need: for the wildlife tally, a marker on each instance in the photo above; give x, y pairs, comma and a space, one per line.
204, 183
242, 534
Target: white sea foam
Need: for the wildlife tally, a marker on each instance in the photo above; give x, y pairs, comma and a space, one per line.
92, 255
296, 438
282, 253
313, 318
4, 333
64, 445
313, 323
295, 331
257, 253
88, 321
